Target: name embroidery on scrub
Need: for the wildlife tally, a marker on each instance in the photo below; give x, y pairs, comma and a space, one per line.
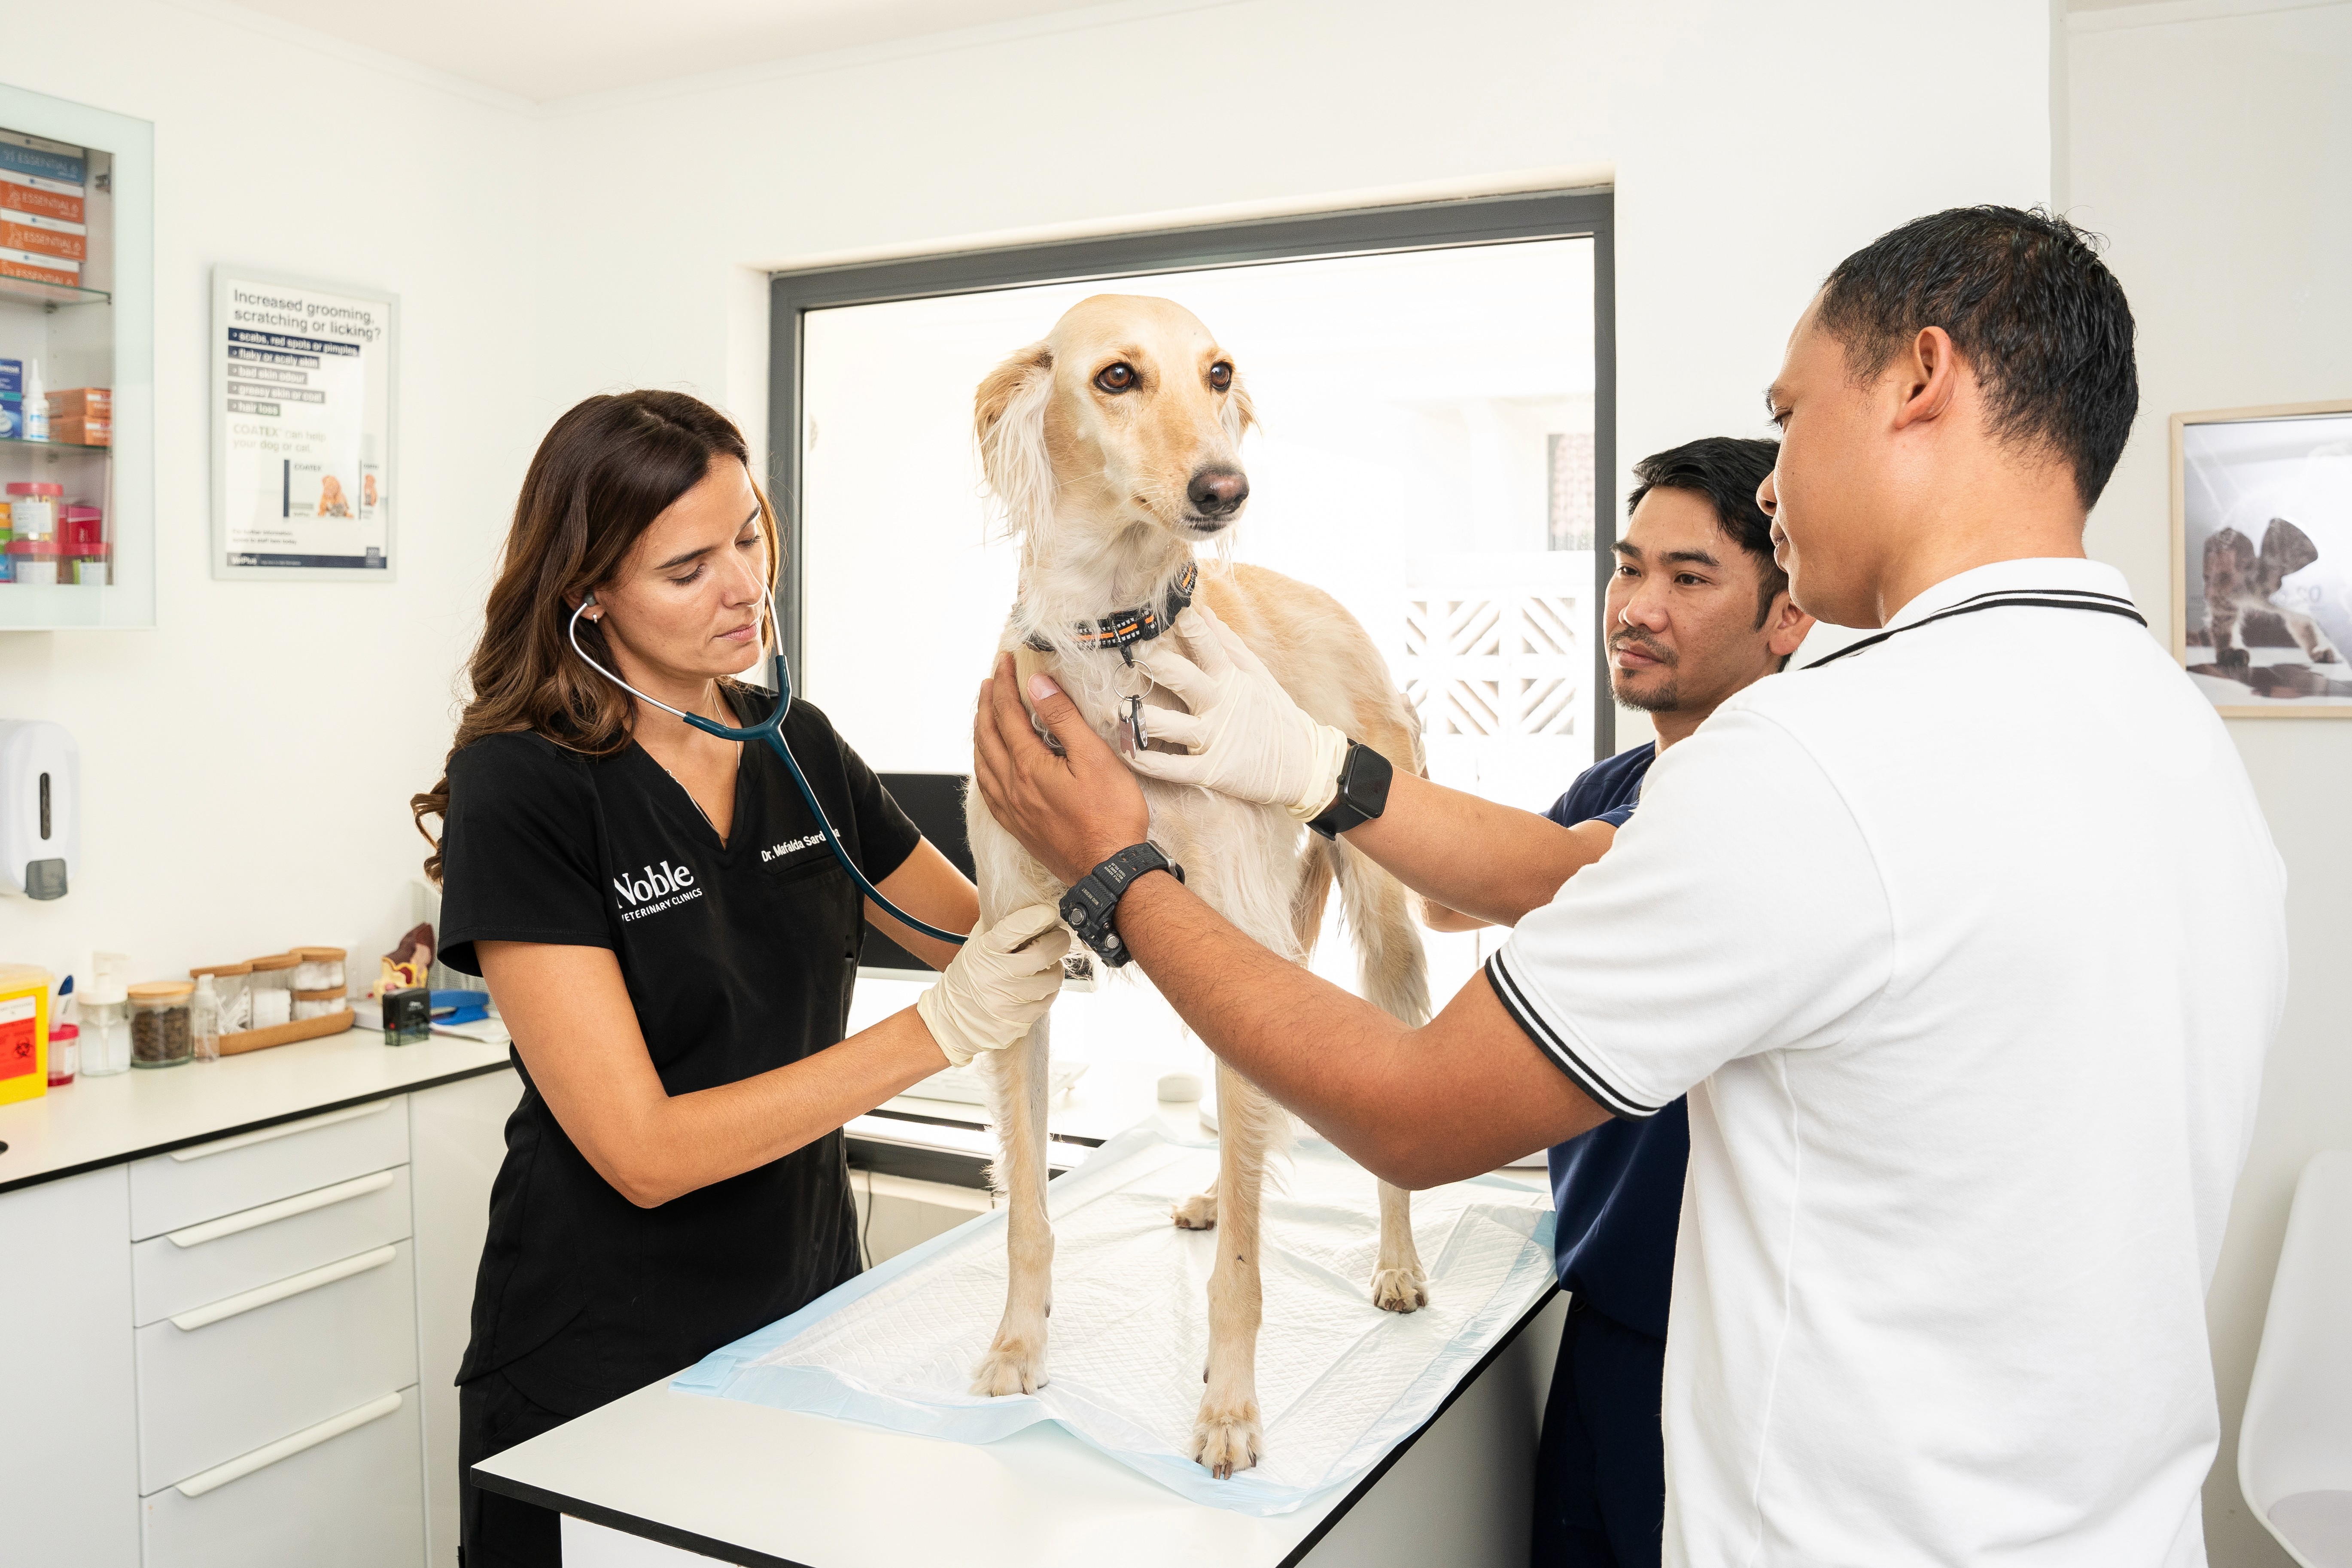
790, 845
666, 888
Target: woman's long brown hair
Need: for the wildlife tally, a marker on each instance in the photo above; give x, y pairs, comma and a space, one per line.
605, 472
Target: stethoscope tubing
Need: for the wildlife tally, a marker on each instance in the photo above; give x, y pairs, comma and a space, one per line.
771, 731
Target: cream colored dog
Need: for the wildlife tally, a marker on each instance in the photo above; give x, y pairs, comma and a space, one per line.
1114, 448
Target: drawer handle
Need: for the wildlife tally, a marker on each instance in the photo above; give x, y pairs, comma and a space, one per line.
261, 1459
283, 1130
293, 1285
284, 1208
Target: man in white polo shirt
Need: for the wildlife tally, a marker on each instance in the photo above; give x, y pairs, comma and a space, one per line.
1970, 1083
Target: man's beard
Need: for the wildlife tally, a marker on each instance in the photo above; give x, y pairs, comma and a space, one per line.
1664, 698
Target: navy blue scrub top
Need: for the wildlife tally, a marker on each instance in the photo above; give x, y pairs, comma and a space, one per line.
1618, 1187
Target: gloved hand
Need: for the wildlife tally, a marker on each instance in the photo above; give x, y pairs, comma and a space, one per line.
1248, 739
998, 983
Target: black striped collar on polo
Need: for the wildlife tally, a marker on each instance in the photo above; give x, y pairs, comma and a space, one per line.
1122, 628
2002, 598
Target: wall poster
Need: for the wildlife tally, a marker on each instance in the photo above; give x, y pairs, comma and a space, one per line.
303, 381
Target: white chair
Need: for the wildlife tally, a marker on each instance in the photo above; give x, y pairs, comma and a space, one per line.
2294, 1445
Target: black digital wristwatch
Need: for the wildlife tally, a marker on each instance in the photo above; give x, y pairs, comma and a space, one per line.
1363, 794
1089, 906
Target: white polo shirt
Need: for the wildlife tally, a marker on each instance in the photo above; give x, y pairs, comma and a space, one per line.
1966, 949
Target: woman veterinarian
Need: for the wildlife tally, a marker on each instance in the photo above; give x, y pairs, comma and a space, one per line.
671, 941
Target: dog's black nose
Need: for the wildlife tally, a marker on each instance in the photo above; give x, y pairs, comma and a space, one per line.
1215, 491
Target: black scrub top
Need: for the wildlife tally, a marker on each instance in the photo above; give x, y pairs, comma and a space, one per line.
738, 958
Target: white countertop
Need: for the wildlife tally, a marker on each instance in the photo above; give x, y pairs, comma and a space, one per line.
96, 1122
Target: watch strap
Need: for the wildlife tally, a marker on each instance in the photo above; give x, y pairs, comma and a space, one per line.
1091, 905
1363, 792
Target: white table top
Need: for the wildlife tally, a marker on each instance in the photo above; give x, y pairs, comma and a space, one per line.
97, 1121
750, 1484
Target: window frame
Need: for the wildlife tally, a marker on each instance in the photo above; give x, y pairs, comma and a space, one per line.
1358, 231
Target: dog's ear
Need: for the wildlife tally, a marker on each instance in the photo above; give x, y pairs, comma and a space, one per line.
2229, 561
2285, 548
1008, 420
1239, 413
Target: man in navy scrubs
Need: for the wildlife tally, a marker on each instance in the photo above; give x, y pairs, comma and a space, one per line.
1696, 611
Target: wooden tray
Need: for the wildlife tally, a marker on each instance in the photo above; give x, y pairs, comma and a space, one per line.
286, 1034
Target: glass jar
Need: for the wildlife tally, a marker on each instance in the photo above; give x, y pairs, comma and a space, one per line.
318, 1003
105, 1038
233, 983
273, 990
163, 1032
321, 969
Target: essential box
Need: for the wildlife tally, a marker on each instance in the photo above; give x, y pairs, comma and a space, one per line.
24, 193
76, 432
39, 236
82, 402
29, 155
16, 263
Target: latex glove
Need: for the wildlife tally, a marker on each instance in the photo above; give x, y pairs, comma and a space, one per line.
1248, 739
1000, 981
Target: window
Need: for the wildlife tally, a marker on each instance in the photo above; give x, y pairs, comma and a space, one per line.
1435, 386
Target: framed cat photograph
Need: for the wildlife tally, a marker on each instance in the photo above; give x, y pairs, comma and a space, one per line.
2261, 558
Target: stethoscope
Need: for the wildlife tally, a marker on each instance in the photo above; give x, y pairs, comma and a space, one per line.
771, 731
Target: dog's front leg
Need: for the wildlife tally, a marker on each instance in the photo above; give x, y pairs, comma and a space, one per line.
1226, 1437
1015, 1362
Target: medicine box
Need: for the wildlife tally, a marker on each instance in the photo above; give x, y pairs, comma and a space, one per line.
24, 193
74, 432
15, 263
39, 236
82, 402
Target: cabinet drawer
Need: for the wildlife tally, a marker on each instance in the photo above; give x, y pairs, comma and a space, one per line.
206, 1181
230, 1376
351, 1496
202, 1263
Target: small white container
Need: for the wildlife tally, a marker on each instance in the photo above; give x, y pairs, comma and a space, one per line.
105, 1038
318, 1003
321, 969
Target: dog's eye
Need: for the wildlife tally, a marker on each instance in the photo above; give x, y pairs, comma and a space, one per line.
1221, 375
1116, 377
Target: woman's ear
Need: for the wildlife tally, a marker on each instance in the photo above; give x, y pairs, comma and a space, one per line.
1008, 420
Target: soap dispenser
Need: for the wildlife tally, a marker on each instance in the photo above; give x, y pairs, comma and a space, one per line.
40, 807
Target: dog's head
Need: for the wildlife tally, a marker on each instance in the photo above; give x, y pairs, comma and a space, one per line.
1129, 415
2286, 549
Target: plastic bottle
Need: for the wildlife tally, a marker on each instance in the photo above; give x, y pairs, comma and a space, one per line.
65, 1037
203, 1019
36, 403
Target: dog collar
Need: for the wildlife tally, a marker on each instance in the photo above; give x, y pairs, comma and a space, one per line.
1123, 628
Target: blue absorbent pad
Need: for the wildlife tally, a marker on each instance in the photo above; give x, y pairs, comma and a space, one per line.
1340, 1382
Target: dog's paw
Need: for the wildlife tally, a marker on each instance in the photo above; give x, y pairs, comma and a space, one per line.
1224, 1442
1400, 1290
1010, 1369
1198, 1212
2327, 655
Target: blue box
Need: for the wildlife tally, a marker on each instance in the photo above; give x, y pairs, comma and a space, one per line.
12, 378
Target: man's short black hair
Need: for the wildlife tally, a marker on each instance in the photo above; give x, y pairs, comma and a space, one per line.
1727, 469
2028, 305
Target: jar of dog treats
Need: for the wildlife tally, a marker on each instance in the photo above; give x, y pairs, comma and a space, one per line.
162, 1032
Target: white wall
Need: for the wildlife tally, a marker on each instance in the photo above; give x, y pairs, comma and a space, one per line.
1743, 140
246, 765
2215, 150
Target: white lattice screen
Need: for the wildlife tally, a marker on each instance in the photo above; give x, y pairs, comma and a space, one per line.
1498, 660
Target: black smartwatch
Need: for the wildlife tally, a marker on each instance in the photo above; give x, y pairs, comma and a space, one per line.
1363, 792
1090, 903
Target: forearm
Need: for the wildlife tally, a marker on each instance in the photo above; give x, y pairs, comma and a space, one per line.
1491, 861
679, 1143
928, 887
1416, 1107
